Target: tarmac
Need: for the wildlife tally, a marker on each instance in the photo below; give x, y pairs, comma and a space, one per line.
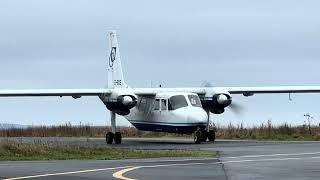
237, 159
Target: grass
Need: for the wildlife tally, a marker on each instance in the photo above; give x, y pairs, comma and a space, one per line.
69, 130
266, 131
10, 151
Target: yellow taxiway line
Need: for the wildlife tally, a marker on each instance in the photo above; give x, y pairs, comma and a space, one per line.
65, 173
119, 174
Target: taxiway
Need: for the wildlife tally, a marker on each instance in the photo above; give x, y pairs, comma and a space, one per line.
236, 160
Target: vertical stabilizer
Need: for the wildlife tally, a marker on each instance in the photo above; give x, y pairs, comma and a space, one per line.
114, 64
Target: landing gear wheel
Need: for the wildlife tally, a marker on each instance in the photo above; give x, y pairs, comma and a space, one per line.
204, 135
197, 137
109, 137
117, 138
212, 135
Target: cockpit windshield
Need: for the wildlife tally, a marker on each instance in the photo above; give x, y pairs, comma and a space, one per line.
176, 102
194, 100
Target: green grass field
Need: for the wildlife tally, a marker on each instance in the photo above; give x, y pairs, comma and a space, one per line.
265, 131
14, 152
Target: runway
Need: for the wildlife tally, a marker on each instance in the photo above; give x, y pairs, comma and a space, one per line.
236, 160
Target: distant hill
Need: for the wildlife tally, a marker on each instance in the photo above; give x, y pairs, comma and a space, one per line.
8, 126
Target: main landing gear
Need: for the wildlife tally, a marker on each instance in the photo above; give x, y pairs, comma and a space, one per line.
114, 135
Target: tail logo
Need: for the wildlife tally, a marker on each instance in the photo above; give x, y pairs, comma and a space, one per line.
112, 57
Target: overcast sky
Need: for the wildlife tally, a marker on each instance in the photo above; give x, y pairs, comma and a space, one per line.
63, 44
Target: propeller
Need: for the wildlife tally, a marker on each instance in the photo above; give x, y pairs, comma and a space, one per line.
236, 108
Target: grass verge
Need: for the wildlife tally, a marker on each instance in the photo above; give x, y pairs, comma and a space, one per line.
265, 131
17, 152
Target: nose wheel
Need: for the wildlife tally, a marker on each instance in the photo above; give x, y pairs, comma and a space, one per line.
197, 137
202, 136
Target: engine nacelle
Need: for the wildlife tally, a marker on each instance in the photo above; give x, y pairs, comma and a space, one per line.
121, 104
217, 103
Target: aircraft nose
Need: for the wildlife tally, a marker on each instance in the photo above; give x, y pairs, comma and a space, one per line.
198, 115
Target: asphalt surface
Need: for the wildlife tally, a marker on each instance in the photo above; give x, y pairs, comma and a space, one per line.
236, 160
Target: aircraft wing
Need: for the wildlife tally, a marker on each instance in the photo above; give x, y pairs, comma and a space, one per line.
273, 89
54, 92
246, 91
154, 91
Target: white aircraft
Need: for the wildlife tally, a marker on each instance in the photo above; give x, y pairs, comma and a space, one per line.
176, 110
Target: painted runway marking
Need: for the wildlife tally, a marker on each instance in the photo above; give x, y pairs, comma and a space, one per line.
270, 155
232, 157
65, 173
119, 174
226, 162
131, 168
122, 172
175, 160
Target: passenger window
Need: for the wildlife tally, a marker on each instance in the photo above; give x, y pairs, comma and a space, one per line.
163, 104
157, 104
176, 102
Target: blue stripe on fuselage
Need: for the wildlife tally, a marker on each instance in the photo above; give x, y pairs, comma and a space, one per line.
168, 127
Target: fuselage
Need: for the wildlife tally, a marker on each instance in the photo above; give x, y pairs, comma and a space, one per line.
169, 112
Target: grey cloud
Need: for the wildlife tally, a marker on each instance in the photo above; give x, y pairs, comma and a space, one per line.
63, 44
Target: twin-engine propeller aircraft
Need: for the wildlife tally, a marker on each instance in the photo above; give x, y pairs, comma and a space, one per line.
173, 110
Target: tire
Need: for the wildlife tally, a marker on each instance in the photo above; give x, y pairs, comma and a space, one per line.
197, 137
109, 137
197, 140
212, 136
117, 138
204, 136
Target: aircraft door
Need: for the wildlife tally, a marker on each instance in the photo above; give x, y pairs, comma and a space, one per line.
155, 113
160, 109
164, 105
157, 105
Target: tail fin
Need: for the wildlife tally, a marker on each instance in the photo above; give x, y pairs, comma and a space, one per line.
114, 64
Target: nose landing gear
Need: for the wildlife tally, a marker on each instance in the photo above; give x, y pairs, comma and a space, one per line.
197, 136
201, 135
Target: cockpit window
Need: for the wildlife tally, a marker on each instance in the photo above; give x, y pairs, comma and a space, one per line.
194, 100
176, 102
